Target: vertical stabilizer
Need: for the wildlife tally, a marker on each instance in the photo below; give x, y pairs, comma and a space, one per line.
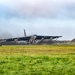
25, 33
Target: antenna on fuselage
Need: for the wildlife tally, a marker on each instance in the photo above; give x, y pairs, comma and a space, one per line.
25, 33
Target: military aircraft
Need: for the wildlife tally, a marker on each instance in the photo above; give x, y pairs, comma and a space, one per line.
30, 39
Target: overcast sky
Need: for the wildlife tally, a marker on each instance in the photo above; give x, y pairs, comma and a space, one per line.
42, 17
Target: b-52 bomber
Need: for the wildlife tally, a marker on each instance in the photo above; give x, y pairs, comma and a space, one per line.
30, 39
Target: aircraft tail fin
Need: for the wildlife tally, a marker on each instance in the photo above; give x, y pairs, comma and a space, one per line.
25, 33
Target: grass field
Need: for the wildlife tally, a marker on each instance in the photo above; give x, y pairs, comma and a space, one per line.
37, 60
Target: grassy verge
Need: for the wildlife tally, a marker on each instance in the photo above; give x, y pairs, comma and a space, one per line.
37, 60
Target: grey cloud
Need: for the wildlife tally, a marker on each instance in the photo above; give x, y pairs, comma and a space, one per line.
46, 9
42, 8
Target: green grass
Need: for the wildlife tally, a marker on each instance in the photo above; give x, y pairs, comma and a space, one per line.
37, 60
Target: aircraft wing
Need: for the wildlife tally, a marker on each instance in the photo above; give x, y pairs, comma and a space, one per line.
18, 38
37, 37
47, 37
